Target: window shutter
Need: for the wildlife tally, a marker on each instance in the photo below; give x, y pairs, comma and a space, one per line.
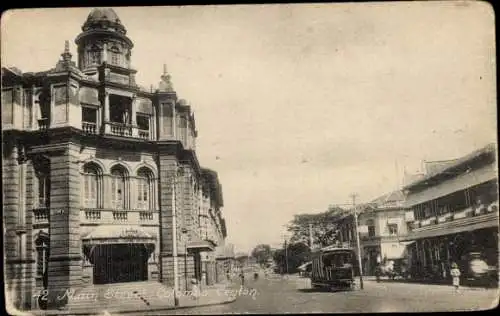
85, 191
113, 192
93, 191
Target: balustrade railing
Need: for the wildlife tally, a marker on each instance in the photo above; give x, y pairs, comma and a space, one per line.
120, 129
144, 134
43, 124
146, 216
113, 216
92, 215
120, 215
89, 127
41, 215
458, 214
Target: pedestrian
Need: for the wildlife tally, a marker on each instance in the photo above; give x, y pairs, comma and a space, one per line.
242, 277
195, 290
455, 274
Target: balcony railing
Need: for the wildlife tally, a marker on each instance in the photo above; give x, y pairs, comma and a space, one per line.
120, 129
41, 215
92, 215
43, 124
120, 216
146, 216
144, 134
89, 127
457, 214
110, 216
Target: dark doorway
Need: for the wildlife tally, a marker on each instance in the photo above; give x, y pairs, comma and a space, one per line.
116, 263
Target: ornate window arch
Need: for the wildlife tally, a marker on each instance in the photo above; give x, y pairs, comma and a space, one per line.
92, 188
145, 189
116, 57
93, 55
119, 187
42, 253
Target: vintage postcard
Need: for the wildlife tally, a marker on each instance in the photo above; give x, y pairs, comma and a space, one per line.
232, 159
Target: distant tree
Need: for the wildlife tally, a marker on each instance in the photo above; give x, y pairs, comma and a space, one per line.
324, 229
295, 255
262, 253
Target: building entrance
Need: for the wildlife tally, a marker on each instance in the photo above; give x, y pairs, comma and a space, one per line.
115, 263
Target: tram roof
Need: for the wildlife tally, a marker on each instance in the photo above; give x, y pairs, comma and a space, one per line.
335, 248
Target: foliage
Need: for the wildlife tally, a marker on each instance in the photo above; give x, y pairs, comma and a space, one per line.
324, 229
296, 254
262, 253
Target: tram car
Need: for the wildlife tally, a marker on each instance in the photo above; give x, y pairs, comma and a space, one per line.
334, 268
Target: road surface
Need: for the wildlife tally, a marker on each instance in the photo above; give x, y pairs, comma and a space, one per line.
294, 295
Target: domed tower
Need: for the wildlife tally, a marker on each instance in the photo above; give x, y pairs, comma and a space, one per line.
103, 40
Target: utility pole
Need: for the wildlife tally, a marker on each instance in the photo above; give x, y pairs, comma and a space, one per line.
286, 257
311, 236
357, 240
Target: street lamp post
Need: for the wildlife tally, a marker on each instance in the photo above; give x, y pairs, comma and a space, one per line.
357, 241
174, 237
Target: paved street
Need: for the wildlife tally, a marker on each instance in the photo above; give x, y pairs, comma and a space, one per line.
293, 295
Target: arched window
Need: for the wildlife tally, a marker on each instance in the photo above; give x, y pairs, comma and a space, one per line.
115, 56
145, 189
42, 254
93, 56
118, 187
91, 186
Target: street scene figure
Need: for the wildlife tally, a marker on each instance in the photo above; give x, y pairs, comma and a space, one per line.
242, 277
455, 274
195, 288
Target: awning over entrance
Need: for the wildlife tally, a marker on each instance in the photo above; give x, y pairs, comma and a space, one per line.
456, 226
304, 266
117, 234
198, 245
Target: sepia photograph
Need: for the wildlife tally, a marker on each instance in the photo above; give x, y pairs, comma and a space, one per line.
264, 158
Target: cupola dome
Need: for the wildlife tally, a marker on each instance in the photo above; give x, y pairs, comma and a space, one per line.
104, 18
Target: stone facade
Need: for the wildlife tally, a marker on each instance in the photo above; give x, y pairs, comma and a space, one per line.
384, 221
91, 161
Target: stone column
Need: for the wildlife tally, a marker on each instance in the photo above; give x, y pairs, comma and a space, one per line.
10, 179
159, 121
65, 258
167, 168
133, 113
104, 53
107, 128
52, 105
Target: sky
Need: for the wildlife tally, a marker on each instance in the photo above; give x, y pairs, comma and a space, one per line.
298, 106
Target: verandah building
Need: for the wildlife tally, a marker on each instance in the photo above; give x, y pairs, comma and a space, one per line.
94, 167
455, 208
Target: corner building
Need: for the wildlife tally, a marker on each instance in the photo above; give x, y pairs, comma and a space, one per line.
95, 168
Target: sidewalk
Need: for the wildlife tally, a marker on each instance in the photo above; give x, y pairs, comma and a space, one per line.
464, 286
222, 293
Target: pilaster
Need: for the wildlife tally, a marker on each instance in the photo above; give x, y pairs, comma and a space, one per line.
65, 259
105, 124
135, 131
167, 170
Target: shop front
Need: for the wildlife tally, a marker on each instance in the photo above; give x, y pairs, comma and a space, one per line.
198, 248
118, 254
473, 246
